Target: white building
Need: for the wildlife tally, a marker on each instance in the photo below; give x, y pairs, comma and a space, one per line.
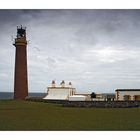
99, 97
61, 92
77, 98
127, 94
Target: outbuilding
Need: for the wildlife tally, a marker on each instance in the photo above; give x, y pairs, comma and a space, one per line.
127, 94
77, 98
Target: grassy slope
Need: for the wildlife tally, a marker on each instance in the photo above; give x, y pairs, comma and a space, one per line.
20, 115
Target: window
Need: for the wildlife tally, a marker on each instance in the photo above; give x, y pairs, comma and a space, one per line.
137, 97
127, 97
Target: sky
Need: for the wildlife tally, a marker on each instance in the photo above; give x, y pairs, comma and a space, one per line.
96, 50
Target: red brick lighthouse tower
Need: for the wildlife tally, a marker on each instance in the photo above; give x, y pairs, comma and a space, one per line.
21, 79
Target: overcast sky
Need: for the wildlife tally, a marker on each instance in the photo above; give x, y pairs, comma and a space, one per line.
97, 50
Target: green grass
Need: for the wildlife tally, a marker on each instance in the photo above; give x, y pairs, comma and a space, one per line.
24, 115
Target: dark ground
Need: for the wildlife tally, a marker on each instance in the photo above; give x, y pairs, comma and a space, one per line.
25, 115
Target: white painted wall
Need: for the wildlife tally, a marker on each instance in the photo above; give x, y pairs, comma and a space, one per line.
59, 93
77, 98
97, 99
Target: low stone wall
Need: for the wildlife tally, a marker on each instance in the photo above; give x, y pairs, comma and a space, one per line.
89, 104
103, 104
38, 99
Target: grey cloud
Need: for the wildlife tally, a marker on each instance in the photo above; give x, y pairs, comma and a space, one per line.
73, 45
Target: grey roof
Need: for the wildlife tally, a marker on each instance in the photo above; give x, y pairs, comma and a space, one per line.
127, 90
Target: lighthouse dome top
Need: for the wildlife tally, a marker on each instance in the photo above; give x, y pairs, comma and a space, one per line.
21, 31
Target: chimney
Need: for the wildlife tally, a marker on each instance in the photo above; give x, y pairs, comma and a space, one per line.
62, 83
70, 84
53, 83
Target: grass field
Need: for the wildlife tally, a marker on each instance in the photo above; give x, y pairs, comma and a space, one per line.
24, 115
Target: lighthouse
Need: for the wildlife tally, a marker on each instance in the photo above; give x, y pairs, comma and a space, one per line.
21, 78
